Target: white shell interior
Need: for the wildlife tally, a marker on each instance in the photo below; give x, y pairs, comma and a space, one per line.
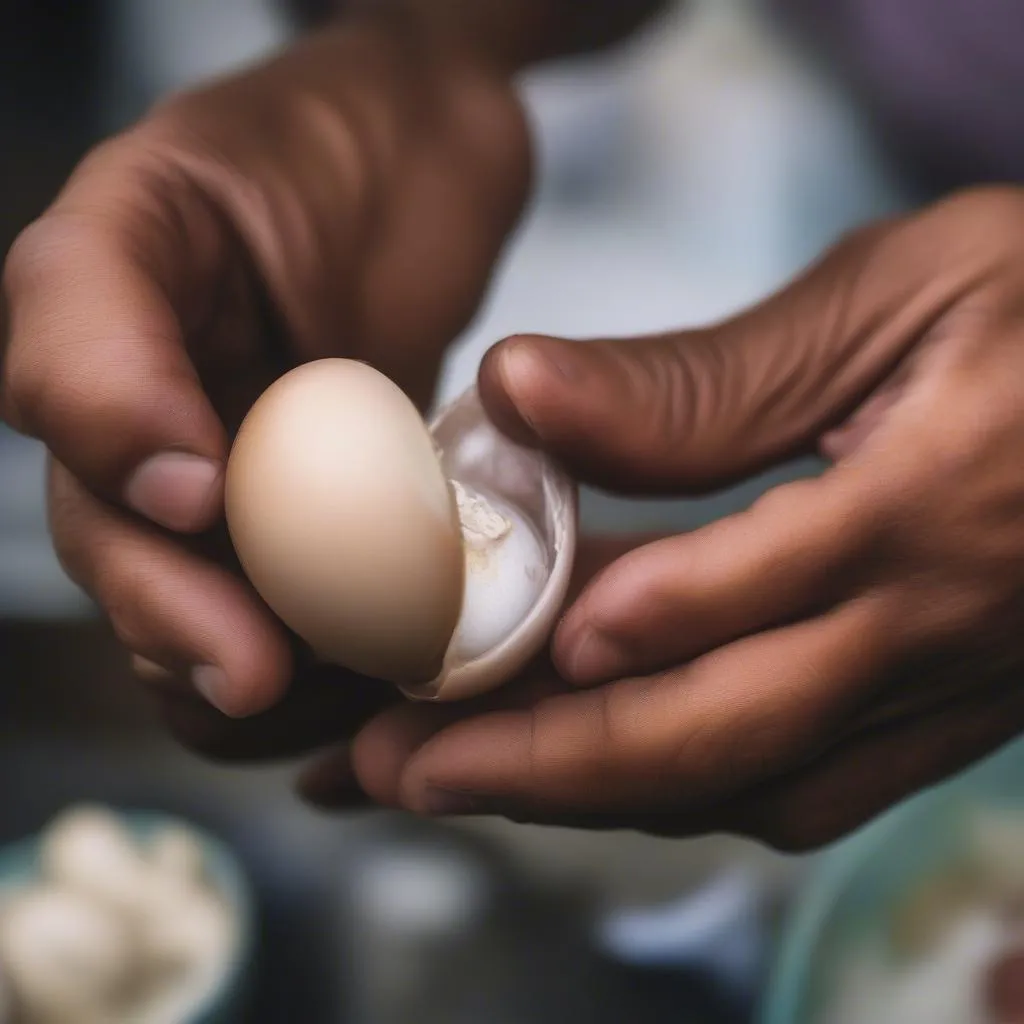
527, 486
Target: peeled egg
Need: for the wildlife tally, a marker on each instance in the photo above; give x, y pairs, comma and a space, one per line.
435, 558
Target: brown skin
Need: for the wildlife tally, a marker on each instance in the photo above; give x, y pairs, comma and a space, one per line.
785, 673
790, 671
347, 198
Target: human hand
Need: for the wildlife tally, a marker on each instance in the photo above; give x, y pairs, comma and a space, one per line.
348, 198
789, 671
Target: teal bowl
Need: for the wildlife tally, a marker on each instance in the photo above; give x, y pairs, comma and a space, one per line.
858, 883
225, 1005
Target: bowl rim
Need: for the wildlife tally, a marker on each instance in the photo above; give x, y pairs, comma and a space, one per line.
788, 982
790, 974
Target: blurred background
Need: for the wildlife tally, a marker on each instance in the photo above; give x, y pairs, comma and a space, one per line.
682, 177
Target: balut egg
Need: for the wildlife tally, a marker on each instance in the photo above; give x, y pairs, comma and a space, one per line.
435, 558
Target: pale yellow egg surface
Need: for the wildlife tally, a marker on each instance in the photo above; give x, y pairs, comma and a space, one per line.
344, 522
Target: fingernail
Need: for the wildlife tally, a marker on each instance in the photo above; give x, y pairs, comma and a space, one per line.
149, 670
211, 683
592, 658
176, 490
523, 362
526, 369
448, 803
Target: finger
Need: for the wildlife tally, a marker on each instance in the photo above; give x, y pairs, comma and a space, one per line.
150, 671
98, 295
797, 551
727, 721
870, 773
322, 707
846, 787
382, 750
330, 783
699, 409
169, 605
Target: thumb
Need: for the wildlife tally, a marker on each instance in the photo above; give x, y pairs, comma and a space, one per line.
699, 409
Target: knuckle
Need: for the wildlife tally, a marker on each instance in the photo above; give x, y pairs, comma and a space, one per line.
34, 250
987, 209
988, 223
47, 256
32, 256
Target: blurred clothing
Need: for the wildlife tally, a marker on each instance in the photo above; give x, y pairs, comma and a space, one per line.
944, 79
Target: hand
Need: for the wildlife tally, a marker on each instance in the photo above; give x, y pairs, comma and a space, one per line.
348, 198
792, 670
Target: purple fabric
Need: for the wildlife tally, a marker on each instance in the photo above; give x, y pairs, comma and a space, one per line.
944, 77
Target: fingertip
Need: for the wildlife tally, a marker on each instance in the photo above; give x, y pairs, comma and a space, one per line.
564, 643
150, 671
177, 490
589, 658
524, 377
584, 649
253, 678
242, 662
498, 386
383, 749
472, 756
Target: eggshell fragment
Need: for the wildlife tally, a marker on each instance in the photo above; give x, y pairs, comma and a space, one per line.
541, 503
344, 522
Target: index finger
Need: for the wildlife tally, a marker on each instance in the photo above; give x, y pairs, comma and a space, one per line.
98, 294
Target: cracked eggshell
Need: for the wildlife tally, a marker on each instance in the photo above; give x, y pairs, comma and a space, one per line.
475, 453
344, 522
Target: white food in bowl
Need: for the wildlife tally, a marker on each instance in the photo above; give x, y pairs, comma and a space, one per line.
81, 944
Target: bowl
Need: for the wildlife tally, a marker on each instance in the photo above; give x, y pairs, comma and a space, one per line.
224, 1005
857, 885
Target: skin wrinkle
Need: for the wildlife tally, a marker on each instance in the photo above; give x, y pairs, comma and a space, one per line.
918, 316
267, 233
692, 391
910, 318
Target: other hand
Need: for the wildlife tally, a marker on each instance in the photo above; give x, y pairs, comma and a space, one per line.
792, 670
347, 198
